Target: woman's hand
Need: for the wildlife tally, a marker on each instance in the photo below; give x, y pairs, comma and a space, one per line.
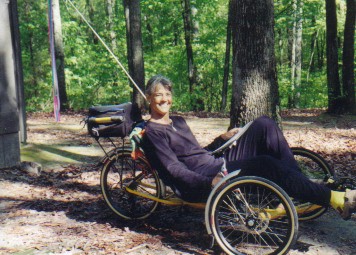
226, 136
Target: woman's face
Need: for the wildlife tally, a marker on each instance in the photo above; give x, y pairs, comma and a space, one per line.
160, 101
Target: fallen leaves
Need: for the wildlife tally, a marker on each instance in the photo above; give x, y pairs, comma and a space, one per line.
62, 212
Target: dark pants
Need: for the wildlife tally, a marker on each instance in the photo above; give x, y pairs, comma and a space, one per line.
263, 151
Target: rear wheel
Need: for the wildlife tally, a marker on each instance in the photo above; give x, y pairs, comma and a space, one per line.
252, 215
121, 172
317, 170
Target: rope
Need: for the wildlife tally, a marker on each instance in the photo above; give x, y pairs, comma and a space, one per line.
108, 49
56, 99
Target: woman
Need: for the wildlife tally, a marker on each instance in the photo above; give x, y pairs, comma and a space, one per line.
261, 151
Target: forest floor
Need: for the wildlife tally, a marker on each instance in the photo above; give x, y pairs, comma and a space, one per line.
61, 211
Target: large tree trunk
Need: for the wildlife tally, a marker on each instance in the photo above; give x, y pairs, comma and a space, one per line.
348, 75
254, 81
59, 55
18, 70
134, 48
227, 56
9, 60
334, 91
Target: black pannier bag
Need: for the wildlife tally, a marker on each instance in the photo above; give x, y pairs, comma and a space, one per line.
123, 117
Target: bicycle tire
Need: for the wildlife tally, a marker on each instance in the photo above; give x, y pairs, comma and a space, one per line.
121, 171
318, 170
238, 229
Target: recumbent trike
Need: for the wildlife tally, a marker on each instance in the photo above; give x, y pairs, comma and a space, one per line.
245, 215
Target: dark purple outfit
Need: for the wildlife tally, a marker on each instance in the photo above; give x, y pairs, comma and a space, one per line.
261, 151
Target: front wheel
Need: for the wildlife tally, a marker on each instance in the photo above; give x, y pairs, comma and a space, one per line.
315, 167
122, 172
312, 164
252, 215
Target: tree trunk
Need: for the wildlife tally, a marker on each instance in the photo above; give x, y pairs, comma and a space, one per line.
9, 116
188, 32
110, 24
18, 70
227, 57
334, 91
320, 46
91, 19
59, 55
296, 54
150, 34
30, 44
280, 47
254, 79
134, 49
311, 65
292, 44
348, 75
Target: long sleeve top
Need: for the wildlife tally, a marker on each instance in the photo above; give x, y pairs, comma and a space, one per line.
179, 159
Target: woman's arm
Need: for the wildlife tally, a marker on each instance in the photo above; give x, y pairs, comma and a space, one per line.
163, 158
220, 140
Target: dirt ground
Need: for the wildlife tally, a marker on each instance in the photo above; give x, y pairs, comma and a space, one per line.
61, 211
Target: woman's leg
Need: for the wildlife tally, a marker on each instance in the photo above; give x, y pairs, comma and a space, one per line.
263, 137
293, 182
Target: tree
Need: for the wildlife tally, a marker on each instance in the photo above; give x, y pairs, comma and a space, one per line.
91, 11
227, 56
188, 35
9, 64
134, 48
197, 103
334, 90
254, 80
348, 75
296, 54
59, 55
110, 23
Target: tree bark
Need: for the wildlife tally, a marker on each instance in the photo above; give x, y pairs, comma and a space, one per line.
320, 49
311, 65
110, 24
30, 44
348, 75
59, 55
9, 118
188, 35
227, 56
292, 41
296, 54
254, 79
334, 90
134, 49
18, 70
91, 11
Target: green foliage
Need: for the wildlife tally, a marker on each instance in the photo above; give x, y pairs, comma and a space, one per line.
93, 77
313, 93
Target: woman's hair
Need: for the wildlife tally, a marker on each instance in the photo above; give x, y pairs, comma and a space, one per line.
156, 80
